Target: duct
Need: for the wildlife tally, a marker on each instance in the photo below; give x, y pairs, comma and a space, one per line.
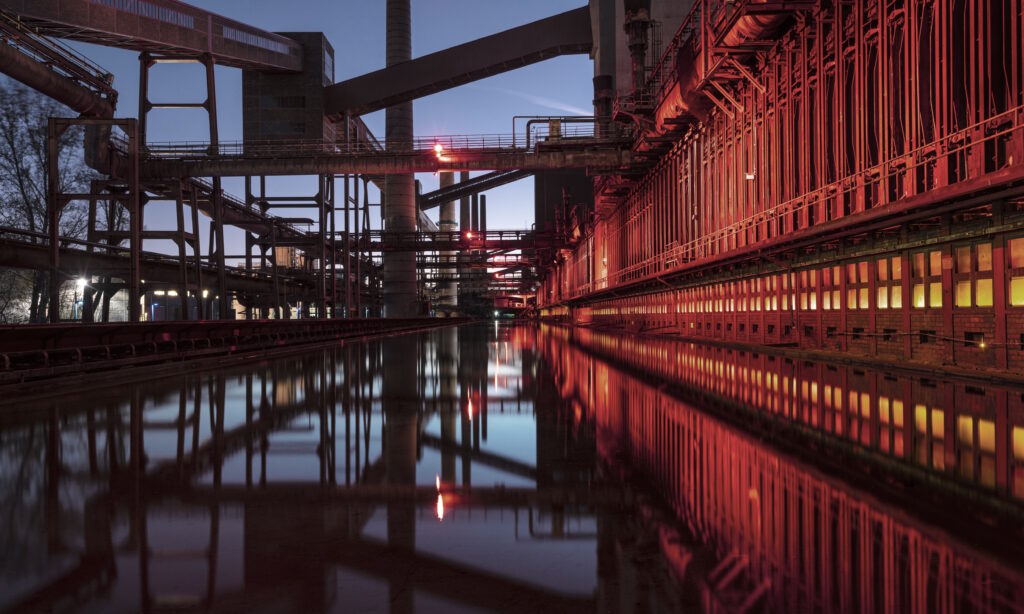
686, 99
40, 78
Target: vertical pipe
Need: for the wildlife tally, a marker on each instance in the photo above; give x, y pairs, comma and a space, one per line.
483, 213
446, 223
474, 213
348, 253
399, 288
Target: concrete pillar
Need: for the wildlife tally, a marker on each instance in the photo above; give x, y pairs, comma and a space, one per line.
464, 205
399, 277
446, 223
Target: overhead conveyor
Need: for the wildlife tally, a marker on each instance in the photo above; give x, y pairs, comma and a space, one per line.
160, 26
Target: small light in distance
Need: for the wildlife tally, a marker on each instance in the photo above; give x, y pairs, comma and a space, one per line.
438, 149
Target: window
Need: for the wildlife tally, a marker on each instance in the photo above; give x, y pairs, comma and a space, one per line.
890, 418
830, 282
927, 279
857, 285
1017, 272
889, 292
972, 278
809, 290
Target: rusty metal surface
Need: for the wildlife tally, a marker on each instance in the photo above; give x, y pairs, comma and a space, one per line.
164, 26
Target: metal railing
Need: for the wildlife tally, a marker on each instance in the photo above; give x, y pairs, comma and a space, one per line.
60, 58
441, 145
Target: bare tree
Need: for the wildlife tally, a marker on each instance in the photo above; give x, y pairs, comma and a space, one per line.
24, 176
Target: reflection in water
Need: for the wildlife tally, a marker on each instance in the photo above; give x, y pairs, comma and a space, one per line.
516, 468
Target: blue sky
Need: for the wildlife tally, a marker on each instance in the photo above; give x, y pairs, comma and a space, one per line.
561, 86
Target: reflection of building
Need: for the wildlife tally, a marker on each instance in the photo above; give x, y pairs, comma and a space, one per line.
768, 526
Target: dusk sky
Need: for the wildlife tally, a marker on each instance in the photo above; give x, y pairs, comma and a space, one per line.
561, 86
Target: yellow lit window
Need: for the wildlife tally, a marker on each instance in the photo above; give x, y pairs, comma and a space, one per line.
897, 297
883, 297
963, 293
987, 436
938, 425
919, 295
863, 298
1018, 443
1017, 291
965, 431
935, 298
984, 257
935, 263
921, 418
851, 299
983, 295
883, 409
897, 413
963, 259
1017, 253
917, 263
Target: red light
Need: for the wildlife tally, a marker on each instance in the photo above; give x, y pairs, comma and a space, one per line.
438, 149
469, 235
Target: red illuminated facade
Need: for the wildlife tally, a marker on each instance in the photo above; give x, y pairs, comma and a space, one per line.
841, 176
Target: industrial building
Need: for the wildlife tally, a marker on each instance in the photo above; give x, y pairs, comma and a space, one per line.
759, 346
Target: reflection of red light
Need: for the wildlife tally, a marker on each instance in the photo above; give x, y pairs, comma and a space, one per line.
440, 506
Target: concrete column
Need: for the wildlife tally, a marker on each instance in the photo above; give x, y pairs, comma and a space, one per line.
447, 223
399, 277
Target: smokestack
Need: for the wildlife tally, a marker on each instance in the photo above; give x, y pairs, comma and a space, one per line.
399, 277
446, 223
475, 212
